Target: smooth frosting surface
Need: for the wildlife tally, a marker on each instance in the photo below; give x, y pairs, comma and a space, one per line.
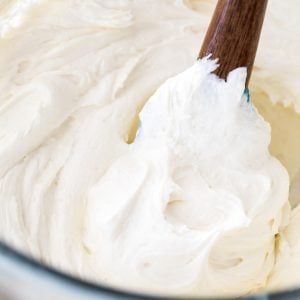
193, 204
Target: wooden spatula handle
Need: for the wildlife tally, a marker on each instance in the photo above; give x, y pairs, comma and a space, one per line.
233, 34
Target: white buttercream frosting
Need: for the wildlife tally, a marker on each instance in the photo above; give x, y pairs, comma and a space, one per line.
196, 199
195, 203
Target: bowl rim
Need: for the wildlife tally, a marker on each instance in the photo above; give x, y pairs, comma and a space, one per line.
12, 254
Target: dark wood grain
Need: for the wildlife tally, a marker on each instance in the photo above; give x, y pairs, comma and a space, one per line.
233, 34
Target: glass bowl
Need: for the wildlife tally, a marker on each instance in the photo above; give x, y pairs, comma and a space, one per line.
23, 278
